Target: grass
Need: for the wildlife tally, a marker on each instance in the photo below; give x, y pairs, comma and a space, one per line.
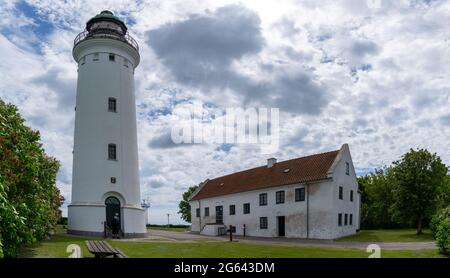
403, 235
248, 250
56, 248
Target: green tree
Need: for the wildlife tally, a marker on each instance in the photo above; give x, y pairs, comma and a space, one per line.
444, 193
29, 199
377, 196
185, 208
366, 201
419, 175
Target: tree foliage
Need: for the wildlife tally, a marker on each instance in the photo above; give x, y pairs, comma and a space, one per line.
443, 199
377, 195
406, 193
185, 208
419, 176
29, 199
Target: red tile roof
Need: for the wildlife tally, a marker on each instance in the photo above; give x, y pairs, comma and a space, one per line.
303, 169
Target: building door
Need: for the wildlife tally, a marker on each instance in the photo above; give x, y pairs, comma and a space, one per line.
112, 209
219, 214
281, 230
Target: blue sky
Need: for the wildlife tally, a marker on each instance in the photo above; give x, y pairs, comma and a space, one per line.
373, 74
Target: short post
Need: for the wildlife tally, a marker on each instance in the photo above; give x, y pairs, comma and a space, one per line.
231, 232
244, 230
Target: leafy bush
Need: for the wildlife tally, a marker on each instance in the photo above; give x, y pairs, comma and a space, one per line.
443, 236
437, 219
11, 225
29, 199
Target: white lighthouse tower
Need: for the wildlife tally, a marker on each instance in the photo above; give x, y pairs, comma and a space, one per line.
105, 179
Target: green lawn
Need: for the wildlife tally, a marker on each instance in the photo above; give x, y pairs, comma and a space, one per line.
56, 248
404, 235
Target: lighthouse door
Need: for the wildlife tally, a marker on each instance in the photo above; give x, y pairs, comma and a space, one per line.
112, 209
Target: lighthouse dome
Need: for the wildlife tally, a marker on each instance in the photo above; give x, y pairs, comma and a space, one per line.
106, 20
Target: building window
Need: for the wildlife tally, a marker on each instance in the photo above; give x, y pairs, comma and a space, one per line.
351, 219
300, 194
263, 199
112, 104
340, 219
345, 219
279, 197
112, 154
341, 192
246, 208
232, 209
125, 62
197, 212
113, 179
351, 195
112, 57
263, 223
347, 168
95, 57
206, 212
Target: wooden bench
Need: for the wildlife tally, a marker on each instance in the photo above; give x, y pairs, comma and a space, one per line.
102, 249
120, 254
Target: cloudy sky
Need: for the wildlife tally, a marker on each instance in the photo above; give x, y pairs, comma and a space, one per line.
373, 74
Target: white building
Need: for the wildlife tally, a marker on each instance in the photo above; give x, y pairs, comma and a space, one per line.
105, 157
309, 197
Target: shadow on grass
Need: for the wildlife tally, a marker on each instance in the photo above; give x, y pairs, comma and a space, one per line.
28, 251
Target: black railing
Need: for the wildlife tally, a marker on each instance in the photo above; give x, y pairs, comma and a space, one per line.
106, 33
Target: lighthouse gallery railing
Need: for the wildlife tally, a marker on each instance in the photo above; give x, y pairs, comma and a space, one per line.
106, 33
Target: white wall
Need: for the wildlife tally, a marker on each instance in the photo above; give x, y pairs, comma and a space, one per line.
345, 206
86, 218
132, 221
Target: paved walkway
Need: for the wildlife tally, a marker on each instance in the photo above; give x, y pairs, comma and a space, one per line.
188, 236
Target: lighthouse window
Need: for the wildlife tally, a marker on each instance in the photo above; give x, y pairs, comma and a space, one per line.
82, 61
125, 63
112, 104
95, 57
112, 152
111, 57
